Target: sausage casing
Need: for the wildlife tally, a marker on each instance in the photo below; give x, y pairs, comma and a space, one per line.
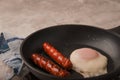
48, 65
57, 56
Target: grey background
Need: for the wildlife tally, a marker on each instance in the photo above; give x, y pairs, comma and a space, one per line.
22, 17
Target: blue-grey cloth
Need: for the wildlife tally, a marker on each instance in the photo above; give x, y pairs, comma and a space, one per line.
3, 44
10, 52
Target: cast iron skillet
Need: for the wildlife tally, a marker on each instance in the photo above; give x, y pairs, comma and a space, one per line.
67, 38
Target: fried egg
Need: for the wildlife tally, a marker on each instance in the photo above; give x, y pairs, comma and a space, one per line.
88, 62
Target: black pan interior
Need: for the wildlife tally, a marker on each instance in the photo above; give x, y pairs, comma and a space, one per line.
67, 38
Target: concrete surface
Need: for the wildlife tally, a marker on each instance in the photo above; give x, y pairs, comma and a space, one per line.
22, 17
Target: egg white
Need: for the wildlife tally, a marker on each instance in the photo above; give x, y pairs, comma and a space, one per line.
88, 68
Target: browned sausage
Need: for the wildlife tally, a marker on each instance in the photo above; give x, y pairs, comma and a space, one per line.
48, 65
57, 56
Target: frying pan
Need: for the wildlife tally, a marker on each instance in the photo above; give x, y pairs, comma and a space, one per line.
67, 38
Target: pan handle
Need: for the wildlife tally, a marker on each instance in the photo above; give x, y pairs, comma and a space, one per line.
24, 71
115, 30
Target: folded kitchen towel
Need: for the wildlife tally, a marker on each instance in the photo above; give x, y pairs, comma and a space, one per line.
10, 56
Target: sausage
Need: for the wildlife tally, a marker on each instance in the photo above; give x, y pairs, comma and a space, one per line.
57, 56
48, 65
